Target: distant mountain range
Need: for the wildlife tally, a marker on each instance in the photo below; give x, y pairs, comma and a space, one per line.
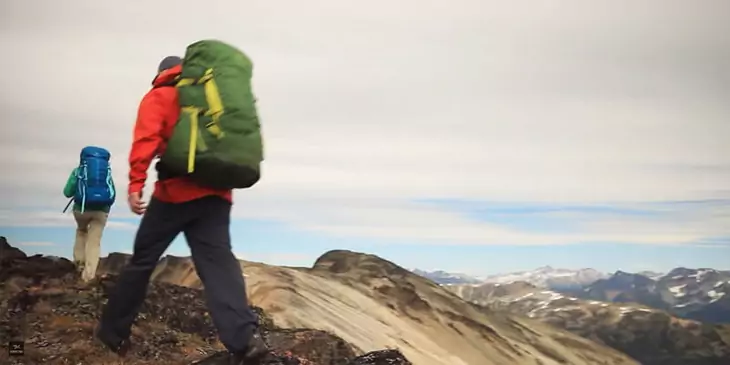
631, 328
699, 294
443, 277
549, 277
651, 274
544, 277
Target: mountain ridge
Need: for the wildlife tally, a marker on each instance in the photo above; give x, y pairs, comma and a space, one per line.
544, 276
47, 308
701, 294
652, 336
373, 303
444, 277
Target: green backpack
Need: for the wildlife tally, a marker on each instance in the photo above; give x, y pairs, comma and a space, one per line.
217, 139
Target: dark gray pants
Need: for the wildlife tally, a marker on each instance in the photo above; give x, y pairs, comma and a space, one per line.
205, 223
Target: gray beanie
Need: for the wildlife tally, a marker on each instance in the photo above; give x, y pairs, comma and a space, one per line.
169, 62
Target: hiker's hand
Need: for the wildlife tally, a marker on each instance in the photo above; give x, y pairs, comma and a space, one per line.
136, 205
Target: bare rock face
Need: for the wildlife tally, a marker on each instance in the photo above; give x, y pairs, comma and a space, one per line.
359, 265
45, 306
15, 263
113, 263
423, 304
8, 252
384, 357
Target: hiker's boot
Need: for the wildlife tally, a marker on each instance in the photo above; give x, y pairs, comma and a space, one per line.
79, 267
255, 352
119, 347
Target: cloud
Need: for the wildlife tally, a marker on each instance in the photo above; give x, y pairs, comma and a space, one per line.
278, 258
443, 223
721, 247
36, 244
366, 115
33, 218
120, 225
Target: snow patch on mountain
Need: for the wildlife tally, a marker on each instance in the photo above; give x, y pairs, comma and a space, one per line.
447, 278
548, 277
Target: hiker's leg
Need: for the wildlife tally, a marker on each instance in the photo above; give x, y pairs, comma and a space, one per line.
225, 292
82, 230
93, 244
159, 226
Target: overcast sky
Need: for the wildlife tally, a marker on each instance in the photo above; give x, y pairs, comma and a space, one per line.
405, 120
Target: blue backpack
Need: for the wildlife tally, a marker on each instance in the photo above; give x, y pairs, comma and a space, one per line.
94, 179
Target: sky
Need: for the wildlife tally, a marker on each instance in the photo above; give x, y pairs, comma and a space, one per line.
474, 136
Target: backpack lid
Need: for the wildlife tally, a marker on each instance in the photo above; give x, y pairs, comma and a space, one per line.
94, 152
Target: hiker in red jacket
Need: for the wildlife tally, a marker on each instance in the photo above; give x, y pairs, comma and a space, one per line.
178, 205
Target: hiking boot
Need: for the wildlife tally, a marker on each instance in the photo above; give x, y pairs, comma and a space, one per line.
120, 347
255, 352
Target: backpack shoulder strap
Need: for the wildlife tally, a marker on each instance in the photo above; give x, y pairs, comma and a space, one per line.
171, 83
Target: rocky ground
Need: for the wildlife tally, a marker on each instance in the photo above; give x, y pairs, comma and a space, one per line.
46, 307
373, 303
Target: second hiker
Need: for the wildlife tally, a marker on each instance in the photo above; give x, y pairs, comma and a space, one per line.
91, 188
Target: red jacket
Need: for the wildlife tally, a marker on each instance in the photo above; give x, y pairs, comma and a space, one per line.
156, 118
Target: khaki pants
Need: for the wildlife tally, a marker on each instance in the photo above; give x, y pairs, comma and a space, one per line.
88, 241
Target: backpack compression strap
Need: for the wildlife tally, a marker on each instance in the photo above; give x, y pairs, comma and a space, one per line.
214, 110
82, 181
112, 192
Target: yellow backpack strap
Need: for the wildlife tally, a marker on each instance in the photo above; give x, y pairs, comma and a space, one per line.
185, 82
212, 97
215, 105
192, 148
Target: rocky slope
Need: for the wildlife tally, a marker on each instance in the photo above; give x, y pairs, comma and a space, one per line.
649, 335
372, 303
44, 305
486, 293
700, 294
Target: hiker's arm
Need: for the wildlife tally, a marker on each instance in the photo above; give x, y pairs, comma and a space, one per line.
147, 138
70, 188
